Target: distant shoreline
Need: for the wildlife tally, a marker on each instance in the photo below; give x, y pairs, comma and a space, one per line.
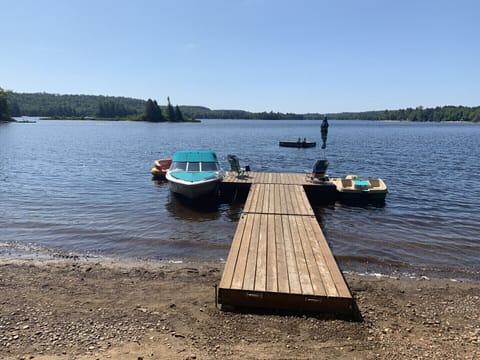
88, 118
92, 118
80, 106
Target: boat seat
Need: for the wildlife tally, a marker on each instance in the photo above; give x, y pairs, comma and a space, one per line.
315, 177
346, 183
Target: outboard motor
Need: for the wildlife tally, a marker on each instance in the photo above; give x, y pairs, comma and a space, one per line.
319, 171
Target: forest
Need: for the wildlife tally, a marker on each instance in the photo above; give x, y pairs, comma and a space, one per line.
91, 107
439, 113
120, 108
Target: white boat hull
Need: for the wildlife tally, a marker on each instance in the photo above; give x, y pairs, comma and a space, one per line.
193, 190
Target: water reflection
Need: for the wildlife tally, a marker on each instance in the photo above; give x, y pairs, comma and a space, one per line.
160, 183
205, 209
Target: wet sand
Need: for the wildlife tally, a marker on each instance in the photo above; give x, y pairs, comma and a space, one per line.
81, 308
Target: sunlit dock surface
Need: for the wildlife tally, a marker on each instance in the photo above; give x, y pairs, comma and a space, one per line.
279, 257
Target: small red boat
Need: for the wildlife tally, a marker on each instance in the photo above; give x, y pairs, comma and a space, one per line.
160, 168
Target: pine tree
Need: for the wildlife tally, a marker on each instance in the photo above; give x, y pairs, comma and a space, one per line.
153, 113
178, 114
158, 116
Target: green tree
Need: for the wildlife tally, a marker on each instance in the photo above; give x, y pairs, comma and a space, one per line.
4, 114
14, 109
178, 114
112, 109
153, 113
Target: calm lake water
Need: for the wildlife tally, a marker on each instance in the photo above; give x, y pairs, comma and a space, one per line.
85, 187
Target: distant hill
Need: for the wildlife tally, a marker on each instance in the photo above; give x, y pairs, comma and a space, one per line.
55, 105
44, 104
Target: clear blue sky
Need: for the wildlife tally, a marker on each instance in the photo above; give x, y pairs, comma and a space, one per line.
257, 55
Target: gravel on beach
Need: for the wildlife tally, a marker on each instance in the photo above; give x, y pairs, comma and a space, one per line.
83, 309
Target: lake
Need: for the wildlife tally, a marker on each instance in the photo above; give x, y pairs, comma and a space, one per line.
85, 187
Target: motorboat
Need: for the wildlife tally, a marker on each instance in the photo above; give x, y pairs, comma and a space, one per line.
160, 168
298, 143
194, 173
353, 188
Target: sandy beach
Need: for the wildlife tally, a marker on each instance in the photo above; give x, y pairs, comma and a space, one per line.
75, 308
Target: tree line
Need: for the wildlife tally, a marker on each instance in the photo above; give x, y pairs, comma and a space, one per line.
439, 113
110, 107
90, 106
55, 105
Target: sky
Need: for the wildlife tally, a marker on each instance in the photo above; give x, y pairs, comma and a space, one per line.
298, 56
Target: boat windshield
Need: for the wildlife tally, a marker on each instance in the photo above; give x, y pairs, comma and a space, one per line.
209, 166
178, 165
193, 166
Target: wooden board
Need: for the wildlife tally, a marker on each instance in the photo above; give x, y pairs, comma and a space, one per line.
279, 257
285, 255
277, 199
266, 178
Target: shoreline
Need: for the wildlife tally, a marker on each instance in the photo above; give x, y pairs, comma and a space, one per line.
91, 308
17, 251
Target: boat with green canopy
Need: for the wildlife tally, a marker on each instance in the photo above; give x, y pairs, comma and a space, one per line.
194, 173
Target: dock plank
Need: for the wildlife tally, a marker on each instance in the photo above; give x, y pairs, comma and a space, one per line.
293, 275
302, 267
244, 246
290, 207
272, 262
251, 266
272, 206
281, 257
315, 277
234, 254
327, 280
337, 276
261, 270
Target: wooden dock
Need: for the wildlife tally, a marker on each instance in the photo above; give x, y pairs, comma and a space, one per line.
279, 257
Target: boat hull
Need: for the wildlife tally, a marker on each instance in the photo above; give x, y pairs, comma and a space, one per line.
352, 189
362, 196
193, 190
158, 174
297, 144
160, 168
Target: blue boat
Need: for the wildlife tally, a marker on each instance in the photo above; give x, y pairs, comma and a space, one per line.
194, 173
